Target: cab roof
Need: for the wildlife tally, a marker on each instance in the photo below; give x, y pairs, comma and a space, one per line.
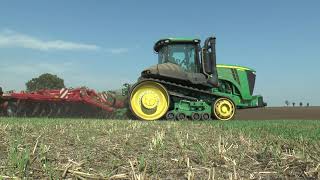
165, 41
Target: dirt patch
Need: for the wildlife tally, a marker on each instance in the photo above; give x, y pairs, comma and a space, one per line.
279, 113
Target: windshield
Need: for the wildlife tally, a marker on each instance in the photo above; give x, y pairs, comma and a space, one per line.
181, 54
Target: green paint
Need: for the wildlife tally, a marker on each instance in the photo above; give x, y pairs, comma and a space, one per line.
239, 90
189, 107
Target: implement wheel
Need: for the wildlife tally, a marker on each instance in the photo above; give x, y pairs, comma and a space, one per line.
223, 109
149, 100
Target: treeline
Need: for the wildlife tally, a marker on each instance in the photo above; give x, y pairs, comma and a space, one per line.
294, 104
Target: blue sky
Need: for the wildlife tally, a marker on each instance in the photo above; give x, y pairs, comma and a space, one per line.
103, 44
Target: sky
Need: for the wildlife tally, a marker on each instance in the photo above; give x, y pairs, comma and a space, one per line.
103, 44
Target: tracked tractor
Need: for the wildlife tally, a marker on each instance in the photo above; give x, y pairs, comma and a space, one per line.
185, 84
188, 84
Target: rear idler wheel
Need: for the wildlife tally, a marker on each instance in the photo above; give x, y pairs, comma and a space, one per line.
149, 100
223, 109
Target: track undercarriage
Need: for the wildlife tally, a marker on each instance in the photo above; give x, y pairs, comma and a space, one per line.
183, 102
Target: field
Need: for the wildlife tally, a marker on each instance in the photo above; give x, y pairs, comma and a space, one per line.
279, 113
125, 149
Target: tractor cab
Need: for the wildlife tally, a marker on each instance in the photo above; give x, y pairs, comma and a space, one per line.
182, 52
183, 60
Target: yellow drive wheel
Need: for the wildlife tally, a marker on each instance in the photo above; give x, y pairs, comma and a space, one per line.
224, 109
149, 100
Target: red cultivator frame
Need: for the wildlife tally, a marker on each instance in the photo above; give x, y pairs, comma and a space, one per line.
80, 102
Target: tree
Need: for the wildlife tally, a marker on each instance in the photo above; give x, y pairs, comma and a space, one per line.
45, 81
293, 104
308, 104
287, 102
300, 104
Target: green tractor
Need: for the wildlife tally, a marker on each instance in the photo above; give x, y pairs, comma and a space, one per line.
188, 84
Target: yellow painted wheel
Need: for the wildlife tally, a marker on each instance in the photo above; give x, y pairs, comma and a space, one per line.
224, 109
149, 100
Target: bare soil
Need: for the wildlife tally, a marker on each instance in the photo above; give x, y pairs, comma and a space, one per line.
279, 113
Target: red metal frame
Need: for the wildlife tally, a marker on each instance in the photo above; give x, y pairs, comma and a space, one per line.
81, 95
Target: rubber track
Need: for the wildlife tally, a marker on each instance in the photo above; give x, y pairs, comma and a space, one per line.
195, 90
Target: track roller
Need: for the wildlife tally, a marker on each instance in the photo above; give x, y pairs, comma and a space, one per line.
170, 116
205, 116
181, 116
195, 116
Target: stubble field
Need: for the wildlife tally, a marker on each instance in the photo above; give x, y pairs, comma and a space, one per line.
36, 148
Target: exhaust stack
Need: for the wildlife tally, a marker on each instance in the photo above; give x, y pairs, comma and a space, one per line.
210, 65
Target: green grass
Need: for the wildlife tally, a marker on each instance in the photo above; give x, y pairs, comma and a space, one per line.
35, 148
288, 129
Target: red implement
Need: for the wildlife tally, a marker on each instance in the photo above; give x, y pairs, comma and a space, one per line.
79, 102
